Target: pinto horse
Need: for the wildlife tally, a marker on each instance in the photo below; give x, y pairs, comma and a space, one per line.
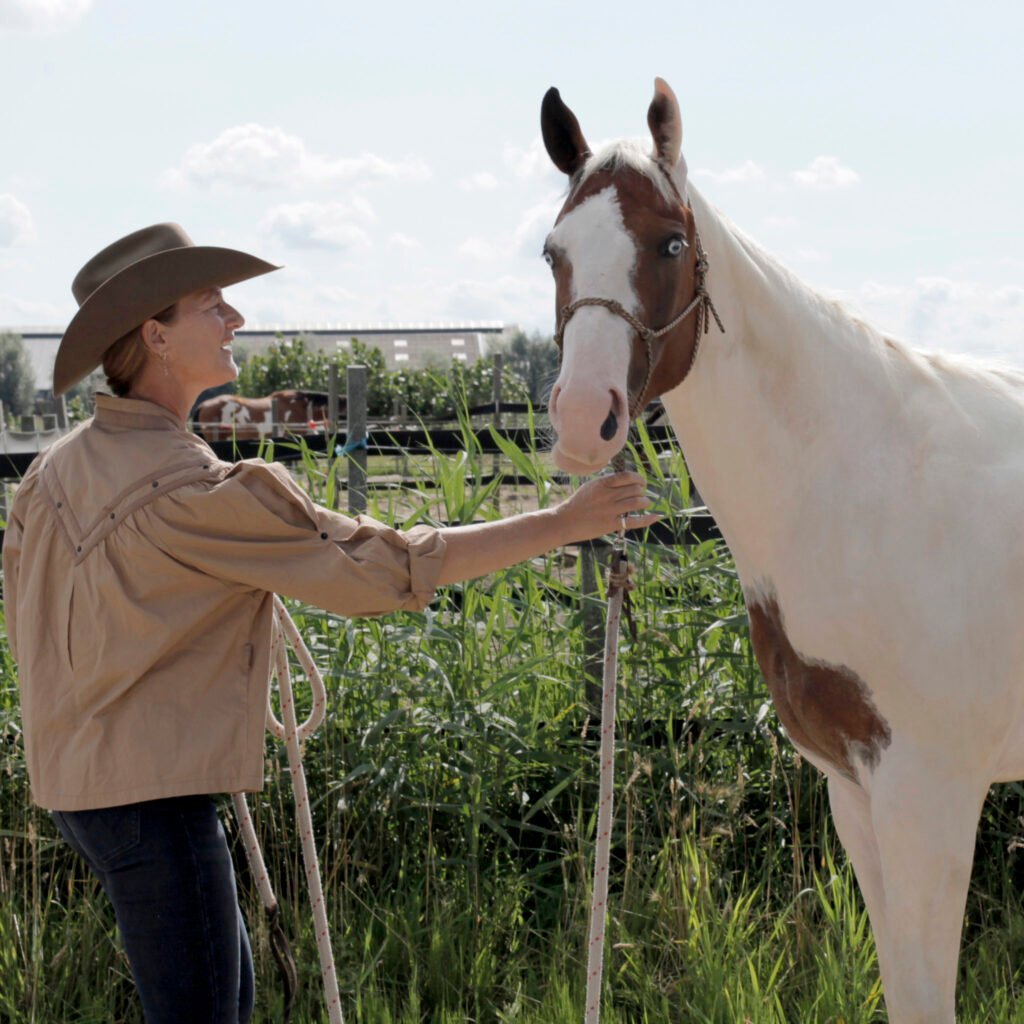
234, 417
834, 460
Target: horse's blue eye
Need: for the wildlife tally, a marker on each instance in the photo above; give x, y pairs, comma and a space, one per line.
549, 259
674, 246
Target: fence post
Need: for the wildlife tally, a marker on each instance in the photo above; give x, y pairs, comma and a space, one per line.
356, 433
593, 625
274, 417
333, 429
496, 464
332, 399
61, 408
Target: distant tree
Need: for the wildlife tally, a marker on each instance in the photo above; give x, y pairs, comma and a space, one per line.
534, 358
17, 378
79, 399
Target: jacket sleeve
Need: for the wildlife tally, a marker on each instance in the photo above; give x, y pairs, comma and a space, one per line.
13, 535
256, 528
12, 563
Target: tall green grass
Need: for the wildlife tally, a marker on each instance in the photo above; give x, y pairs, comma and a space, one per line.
454, 787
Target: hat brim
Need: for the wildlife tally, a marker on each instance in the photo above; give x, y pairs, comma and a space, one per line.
137, 293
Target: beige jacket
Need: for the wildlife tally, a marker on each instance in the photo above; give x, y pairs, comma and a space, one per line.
138, 580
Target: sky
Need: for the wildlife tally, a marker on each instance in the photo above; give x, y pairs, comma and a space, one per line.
389, 155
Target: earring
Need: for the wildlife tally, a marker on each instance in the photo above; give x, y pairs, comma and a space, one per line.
163, 360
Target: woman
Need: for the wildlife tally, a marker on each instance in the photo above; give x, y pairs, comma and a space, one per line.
139, 572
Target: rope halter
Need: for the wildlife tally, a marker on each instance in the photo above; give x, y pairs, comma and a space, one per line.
701, 302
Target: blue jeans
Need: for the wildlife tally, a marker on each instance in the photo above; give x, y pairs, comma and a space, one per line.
166, 867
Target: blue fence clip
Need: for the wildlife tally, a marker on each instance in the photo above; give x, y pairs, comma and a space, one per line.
351, 446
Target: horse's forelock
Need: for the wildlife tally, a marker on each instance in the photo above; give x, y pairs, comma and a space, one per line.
631, 154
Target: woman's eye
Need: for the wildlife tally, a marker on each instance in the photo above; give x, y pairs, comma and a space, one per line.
674, 246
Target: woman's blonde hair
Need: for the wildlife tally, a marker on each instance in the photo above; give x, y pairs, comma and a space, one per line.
124, 360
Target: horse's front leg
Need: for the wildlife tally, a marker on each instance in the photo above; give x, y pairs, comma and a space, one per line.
924, 819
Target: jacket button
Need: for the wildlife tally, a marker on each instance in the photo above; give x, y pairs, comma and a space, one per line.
60, 504
113, 515
79, 548
323, 536
156, 483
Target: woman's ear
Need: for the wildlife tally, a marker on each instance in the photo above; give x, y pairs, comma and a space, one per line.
152, 337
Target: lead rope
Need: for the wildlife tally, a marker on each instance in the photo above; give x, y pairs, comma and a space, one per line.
619, 584
294, 735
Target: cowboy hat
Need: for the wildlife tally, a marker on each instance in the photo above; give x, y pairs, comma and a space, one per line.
134, 279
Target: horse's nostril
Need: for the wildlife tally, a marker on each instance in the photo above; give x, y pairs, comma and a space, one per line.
609, 427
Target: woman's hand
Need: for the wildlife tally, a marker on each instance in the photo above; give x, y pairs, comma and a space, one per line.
604, 503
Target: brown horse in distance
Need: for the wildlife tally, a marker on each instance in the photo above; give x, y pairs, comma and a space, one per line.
235, 417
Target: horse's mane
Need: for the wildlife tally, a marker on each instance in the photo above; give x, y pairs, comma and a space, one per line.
924, 363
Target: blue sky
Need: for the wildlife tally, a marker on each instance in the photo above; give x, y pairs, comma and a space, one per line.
389, 154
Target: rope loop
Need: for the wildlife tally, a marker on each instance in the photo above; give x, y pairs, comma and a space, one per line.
284, 631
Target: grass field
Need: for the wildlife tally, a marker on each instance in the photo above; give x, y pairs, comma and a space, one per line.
454, 787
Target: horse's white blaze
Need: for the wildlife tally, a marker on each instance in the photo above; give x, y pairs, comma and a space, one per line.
597, 344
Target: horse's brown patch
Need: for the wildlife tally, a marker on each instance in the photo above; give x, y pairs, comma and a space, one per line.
826, 709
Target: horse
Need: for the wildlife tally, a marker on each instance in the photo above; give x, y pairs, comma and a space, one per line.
234, 417
834, 460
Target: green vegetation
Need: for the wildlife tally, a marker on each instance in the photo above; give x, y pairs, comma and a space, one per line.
426, 393
17, 378
454, 788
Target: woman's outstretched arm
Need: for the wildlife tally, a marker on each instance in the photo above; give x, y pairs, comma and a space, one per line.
592, 511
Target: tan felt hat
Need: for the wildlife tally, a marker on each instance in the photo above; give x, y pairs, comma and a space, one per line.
134, 279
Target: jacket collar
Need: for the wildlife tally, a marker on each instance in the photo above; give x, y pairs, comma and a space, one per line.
137, 413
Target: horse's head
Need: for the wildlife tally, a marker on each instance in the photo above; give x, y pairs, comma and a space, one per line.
625, 237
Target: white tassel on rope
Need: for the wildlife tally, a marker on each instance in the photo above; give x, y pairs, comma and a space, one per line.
617, 585
294, 735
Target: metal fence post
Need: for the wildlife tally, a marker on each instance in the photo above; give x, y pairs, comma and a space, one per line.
496, 464
332, 399
355, 438
333, 428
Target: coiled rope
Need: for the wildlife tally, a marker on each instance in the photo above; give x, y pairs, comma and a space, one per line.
285, 633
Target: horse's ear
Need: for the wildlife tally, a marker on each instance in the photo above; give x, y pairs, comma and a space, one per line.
562, 136
666, 125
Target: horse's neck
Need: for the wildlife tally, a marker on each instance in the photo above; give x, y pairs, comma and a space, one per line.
794, 382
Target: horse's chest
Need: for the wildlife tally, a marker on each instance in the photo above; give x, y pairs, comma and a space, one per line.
827, 709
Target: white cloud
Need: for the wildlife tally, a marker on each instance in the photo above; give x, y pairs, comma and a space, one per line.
400, 241
255, 156
17, 311
530, 162
509, 298
481, 249
16, 225
534, 226
742, 174
808, 255
941, 313
320, 225
42, 15
826, 172
482, 181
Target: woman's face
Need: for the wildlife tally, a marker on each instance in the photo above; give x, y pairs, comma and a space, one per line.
199, 340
